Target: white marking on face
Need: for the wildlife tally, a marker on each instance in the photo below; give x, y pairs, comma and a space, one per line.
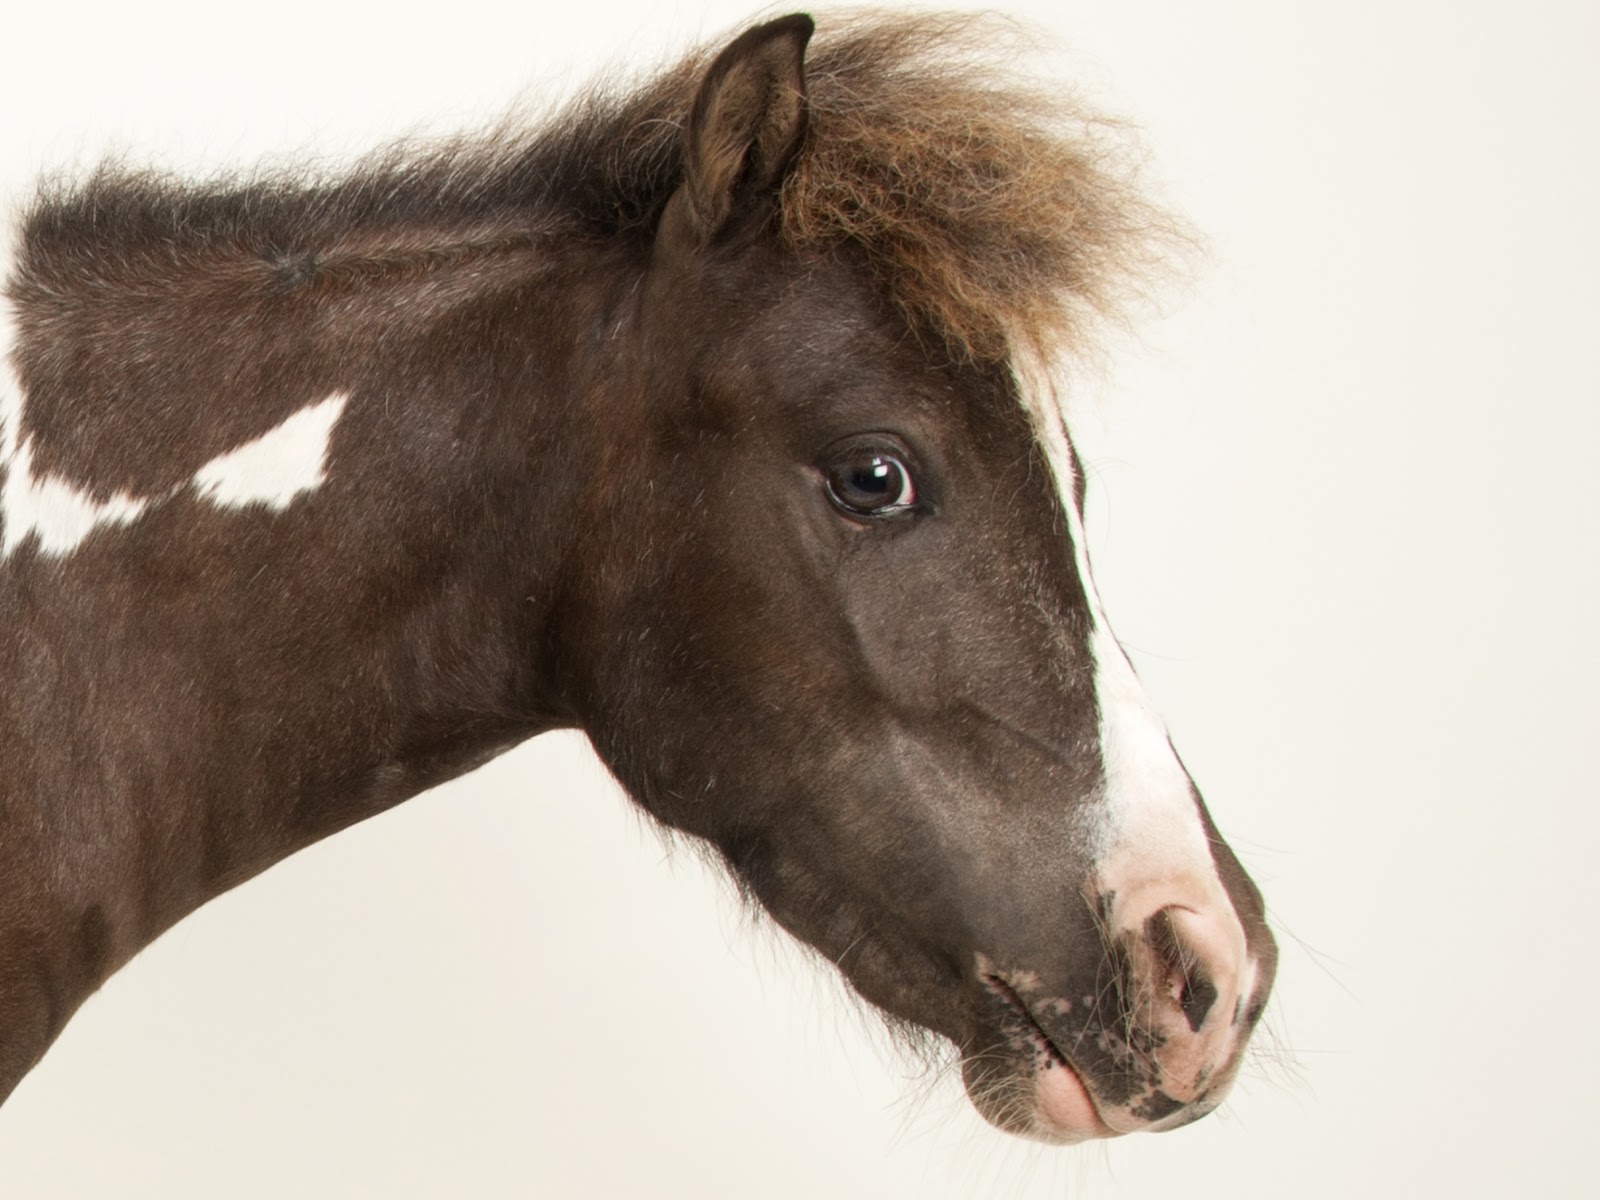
1149, 797
1149, 828
281, 464
1151, 849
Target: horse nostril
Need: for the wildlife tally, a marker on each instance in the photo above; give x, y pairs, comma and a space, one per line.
1195, 999
1180, 973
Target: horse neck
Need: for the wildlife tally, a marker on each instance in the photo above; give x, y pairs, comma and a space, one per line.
195, 692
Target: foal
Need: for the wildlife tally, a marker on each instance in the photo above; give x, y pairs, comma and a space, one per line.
702, 419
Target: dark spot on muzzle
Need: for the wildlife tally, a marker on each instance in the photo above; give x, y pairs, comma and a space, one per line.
1156, 1106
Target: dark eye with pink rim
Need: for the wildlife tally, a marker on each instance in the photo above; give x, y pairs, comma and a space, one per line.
869, 481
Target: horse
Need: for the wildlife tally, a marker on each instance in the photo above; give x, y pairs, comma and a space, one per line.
712, 416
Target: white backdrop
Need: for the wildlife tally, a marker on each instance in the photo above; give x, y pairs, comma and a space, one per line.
1343, 509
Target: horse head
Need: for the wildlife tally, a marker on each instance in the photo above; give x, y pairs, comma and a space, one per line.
836, 617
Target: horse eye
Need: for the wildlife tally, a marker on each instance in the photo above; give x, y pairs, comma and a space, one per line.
870, 483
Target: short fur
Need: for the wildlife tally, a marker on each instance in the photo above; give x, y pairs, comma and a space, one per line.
691, 419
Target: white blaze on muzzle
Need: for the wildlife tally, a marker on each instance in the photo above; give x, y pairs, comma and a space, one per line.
1155, 882
1148, 830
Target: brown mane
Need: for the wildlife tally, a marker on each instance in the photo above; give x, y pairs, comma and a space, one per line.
993, 210
999, 215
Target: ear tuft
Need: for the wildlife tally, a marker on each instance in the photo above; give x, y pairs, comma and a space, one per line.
748, 119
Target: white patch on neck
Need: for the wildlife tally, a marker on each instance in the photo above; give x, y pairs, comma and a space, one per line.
273, 470
52, 510
1149, 825
44, 507
281, 464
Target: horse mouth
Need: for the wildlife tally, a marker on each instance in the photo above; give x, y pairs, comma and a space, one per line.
1045, 1096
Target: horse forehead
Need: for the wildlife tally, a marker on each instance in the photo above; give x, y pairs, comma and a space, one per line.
842, 352
771, 303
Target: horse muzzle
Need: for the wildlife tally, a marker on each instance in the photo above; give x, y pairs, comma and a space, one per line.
1150, 1039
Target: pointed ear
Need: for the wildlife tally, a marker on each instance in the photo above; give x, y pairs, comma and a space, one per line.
747, 122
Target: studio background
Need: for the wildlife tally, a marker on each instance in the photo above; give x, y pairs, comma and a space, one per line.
1342, 508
